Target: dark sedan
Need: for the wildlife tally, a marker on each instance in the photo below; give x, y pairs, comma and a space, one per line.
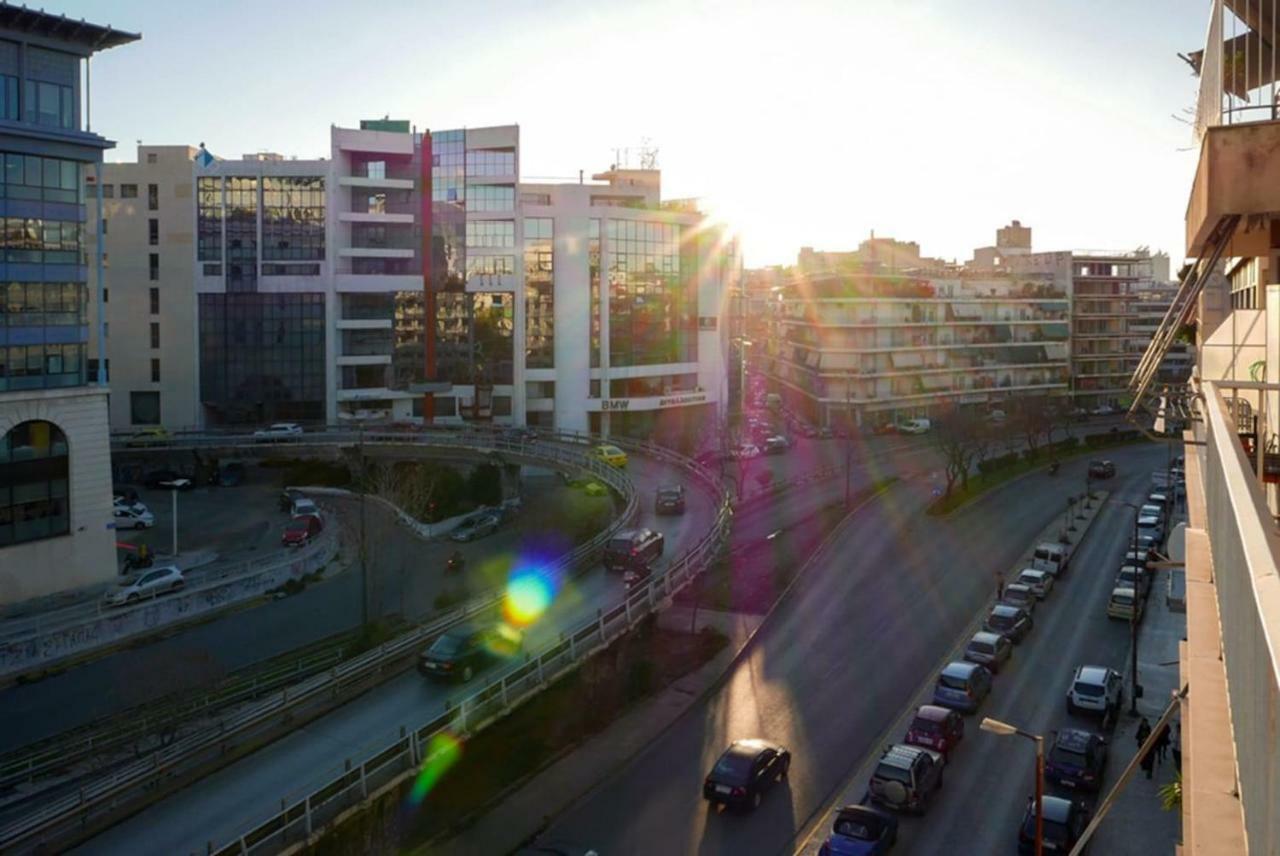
1063, 819
861, 830
670, 500
1101, 469
1009, 621
744, 772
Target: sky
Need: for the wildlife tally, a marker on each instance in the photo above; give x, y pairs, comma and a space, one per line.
798, 122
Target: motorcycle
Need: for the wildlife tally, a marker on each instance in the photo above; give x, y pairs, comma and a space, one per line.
133, 563
456, 563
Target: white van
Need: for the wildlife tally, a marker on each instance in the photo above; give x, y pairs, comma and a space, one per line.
915, 426
1051, 558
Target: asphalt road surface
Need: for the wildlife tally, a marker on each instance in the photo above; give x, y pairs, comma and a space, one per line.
848, 652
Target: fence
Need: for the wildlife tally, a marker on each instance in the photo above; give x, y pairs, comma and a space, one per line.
107, 792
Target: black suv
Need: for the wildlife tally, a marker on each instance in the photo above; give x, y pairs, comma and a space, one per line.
1101, 469
906, 778
464, 650
1077, 759
634, 549
670, 500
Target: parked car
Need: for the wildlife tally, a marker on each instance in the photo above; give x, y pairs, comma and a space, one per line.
744, 772
860, 830
610, 454
1136, 578
1146, 541
1152, 526
304, 507
476, 526
149, 437
936, 728
1012, 622
915, 426
1040, 582
633, 548
1062, 821
1101, 469
132, 517
962, 686
148, 584
1017, 594
1077, 759
776, 445
1162, 500
990, 649
906, 778
167, 480
300, 530
520, 434
278, 431
1051, 557
1095, 689
1138, 557
466, 649
669, 500
1124, 604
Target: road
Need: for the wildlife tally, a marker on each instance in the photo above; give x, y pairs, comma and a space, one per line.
408, 575
843, 656
222, 806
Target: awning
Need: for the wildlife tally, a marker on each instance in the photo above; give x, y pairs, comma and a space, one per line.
1055, 350
966, 310
934, 382
906, 360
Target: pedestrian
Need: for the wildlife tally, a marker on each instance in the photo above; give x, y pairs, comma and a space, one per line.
1162, 743
1147, 761
1176, 742
1144, 731
999, 585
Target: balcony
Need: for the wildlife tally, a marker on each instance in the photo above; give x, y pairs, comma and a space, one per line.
1237, 123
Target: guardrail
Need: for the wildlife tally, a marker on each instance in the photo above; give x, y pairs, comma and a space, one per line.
109, 790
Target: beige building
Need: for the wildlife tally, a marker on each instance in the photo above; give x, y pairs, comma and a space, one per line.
149, 226
1230, 661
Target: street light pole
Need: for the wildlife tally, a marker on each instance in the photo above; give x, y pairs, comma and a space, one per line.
1004, 729
173, 494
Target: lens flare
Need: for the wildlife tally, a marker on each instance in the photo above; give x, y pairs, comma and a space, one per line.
443, 751
529, 593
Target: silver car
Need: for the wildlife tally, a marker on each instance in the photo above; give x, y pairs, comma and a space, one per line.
989, 649
148, 584
1017, 594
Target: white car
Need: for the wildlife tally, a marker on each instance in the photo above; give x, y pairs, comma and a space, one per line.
305, 507
915, 426
278, 431
150, 583
133, 517
1095, 689
1040, 582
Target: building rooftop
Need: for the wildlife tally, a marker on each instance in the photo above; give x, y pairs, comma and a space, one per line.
37, 22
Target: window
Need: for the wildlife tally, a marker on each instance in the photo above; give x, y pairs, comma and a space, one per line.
491, 162
376, 169
155, 334
9, 97
106, 295
155, 370
539, 290
491, 233
151, 158
377, 203
153, 231
108, 191
652, 294
293, 220
153, 194
155, 301
209, 220
42, 179
34, 482
491, 197
153, 267
50, 104
128, 191
104, 225
144, 408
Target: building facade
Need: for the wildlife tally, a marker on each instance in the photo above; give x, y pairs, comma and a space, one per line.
580, 306
148, 226
55, 477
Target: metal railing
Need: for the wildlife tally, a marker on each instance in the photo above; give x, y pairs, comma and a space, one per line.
563, 449
1238, 67
1246, 555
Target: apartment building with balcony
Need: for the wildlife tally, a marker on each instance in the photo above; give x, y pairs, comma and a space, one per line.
1229, 299
875, 348
55, 477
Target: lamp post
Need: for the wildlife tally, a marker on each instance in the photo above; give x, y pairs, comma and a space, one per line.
1004, 729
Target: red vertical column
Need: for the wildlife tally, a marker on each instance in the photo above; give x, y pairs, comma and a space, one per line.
428, 297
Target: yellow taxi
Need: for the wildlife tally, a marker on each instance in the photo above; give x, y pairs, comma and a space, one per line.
610, 454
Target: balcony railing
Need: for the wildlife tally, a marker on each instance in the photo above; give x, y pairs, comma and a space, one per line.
1238, 67
1246, 554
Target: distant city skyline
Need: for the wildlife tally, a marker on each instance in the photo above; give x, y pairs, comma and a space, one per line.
806, 123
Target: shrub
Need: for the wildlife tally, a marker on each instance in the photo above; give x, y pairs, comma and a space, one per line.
1000, 462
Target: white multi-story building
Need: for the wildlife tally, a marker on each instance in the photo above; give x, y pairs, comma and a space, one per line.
336, 290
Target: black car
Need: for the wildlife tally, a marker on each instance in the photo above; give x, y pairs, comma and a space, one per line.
670, 500
744, 772
520, 434
287, 497
167, 480
634, 549
906, 778
1012, 622
1077, 759
464, 650
1063, 820
1101, 469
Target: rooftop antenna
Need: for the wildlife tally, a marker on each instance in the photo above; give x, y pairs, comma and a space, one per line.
648, 154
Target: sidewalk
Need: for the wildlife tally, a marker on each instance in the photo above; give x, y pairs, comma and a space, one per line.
551, 791
1137, 823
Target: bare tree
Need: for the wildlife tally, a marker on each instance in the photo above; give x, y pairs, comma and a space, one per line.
961, 438
1031, 421
1061, 415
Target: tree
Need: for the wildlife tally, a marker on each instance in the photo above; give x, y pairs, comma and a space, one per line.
1031, 420
1061, 416
960, 436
